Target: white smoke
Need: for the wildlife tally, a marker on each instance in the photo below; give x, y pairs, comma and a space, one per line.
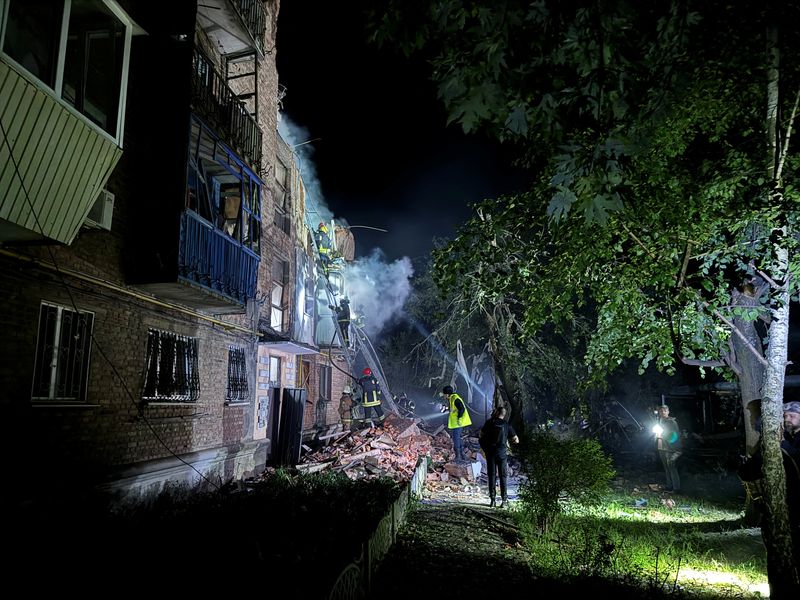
378, 290
299, 140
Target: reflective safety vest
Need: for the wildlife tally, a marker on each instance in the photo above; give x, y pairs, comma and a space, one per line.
453, 422
371, 393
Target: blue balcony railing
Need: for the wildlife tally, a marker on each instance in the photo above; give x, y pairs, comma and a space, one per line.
213, 260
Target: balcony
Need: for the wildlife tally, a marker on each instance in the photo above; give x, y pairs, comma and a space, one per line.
234, 25
217, 263
57, 164
213, 100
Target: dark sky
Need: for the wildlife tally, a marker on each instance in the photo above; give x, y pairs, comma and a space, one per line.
386, 158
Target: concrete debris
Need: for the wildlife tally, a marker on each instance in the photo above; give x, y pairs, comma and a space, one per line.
392, 450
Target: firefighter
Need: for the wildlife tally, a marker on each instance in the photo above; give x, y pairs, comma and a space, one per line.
370, 396
343, 318
346, 409
323, 240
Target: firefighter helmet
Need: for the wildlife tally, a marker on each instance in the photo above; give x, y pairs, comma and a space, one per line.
367, 371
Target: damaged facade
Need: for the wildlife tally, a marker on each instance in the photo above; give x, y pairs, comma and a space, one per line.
160, 282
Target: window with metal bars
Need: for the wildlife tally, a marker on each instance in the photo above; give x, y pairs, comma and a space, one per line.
238, 390
172, 373
63, 345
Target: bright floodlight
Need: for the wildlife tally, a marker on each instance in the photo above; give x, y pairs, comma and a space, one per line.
657, 429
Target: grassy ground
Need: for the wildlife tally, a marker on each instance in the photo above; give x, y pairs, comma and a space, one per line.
640, 543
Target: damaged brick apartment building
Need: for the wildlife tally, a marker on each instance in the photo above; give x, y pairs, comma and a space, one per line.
166, 320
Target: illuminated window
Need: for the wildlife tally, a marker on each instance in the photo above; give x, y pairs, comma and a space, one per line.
282, 220
275, 371
279, 305
62, 354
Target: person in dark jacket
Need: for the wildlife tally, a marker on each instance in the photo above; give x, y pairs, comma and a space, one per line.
493, 438
669, 444
371, 397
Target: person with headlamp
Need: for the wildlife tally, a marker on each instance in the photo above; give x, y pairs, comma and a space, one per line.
668, 443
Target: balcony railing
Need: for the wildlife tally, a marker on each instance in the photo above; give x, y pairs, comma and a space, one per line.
254, 15
213, 260
217, 103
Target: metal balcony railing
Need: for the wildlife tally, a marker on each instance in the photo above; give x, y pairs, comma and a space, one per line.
214, 260
254, 15
218, 104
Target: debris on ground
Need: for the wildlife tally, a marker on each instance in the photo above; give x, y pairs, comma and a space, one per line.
392, 450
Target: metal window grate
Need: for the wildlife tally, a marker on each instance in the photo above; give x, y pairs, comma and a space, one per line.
238, 390
62, 354
172, 372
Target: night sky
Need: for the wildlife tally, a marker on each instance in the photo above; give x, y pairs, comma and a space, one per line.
386, 157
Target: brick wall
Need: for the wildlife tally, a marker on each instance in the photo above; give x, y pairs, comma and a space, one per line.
114, 429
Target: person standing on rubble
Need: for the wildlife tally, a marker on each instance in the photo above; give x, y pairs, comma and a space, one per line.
493, 438
370, 397
346, 409
457, 419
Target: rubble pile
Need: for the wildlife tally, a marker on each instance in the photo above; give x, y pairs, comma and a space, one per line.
390, 450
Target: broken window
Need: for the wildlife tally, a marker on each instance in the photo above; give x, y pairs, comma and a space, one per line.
78, 48
62, 354
222, 190
282, 220
238, 390
171, 368
279, 304
325, 382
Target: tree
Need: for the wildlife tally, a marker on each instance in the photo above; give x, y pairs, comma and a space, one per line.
681, 177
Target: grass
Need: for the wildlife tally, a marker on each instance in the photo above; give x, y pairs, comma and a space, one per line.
696, 547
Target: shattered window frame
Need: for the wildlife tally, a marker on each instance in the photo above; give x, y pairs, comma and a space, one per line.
63, 353
325, 382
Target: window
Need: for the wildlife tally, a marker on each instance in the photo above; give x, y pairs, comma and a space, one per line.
222, 189
238, 390
309, 297
280, 279
171, 364
275, 371
282, 220
325, 382
79, 49
62, 354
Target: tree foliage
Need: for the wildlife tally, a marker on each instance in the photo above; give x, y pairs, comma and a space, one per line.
660, 132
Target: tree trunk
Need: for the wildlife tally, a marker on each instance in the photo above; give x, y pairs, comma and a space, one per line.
783, 577
782, 572
502, 352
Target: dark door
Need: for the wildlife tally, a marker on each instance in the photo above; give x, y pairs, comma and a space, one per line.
287, 428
